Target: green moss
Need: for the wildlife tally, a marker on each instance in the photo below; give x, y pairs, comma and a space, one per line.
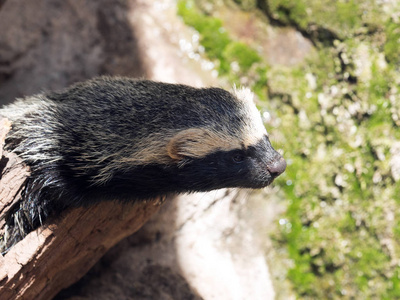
246, 4
393, 291
242, 54
337, 136
391, 48
213, 36
221, 48
326, 19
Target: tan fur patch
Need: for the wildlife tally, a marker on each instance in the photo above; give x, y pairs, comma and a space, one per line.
199, 142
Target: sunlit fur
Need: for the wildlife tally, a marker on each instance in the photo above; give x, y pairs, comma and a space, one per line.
125, 139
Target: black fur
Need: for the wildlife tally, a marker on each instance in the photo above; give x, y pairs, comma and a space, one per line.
217, 170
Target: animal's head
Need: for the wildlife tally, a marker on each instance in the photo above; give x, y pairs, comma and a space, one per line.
233, 150
190, 139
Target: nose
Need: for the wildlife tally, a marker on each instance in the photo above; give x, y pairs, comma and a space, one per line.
277, 167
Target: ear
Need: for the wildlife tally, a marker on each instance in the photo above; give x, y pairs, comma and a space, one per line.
193, 143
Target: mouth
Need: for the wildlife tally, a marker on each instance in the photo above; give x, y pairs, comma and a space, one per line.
262, 181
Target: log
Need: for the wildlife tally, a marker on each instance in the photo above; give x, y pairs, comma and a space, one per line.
60, 252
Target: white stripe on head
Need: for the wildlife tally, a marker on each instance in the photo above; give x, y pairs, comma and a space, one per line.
254, 129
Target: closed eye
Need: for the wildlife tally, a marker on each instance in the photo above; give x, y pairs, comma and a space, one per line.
238, 158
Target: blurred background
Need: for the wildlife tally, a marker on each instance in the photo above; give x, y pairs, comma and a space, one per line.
326, 76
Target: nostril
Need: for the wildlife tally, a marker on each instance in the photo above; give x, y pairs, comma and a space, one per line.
277, 167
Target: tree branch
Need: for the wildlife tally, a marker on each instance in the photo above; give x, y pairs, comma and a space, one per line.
65, 248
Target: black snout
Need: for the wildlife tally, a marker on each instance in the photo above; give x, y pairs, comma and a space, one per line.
277, 167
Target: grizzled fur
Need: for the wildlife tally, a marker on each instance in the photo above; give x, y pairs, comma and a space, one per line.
125, 139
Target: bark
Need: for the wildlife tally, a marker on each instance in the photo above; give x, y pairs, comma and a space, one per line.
65, 248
